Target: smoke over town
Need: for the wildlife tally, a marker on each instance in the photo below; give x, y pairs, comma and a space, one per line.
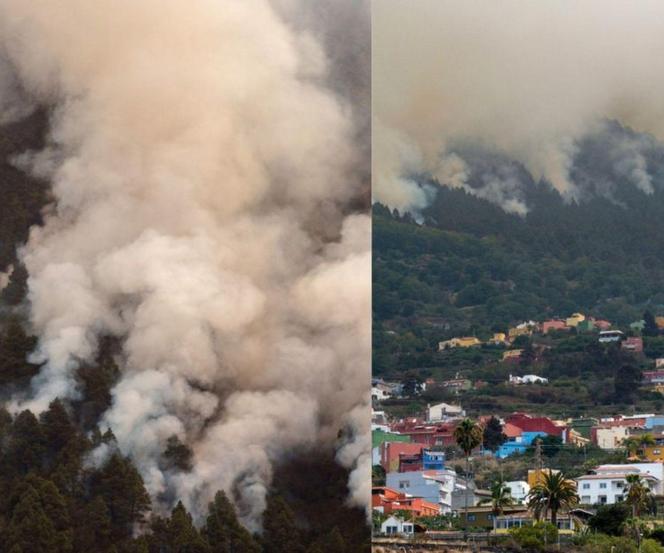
206, 182
526, 79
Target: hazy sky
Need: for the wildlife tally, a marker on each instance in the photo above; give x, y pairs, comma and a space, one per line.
526, 78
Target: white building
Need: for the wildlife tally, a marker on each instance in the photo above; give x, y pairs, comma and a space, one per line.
608, 483
444, 411
395, 525
379, 394
379, 421
528, 379
435, 486
519, 490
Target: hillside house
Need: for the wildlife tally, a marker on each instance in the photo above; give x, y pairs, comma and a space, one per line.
574, 319
395, 526
390, 453
528, 379
659, 363
659, 321
523, 329
528, 423
654, 378
608, 336
499, 338
633, 344
554, 324
462, 342
638, 326
519, 444
606, 483
387, 501
519, 490
458, 384
444, 411
512, 356
602, 324
434, 486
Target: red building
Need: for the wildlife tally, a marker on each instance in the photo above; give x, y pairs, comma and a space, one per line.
633, 344
554, 324
390, 453
429, 435
388, 500
528, 423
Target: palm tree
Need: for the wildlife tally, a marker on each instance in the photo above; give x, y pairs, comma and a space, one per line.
645, 440
501, 497
631, 446
468, 435
638, 493
553, 492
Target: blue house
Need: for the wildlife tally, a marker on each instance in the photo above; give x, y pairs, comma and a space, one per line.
518, 444
433, 460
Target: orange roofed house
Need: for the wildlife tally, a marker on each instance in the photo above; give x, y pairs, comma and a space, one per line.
387, 501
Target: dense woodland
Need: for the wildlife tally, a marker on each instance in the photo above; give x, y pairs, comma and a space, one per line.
53, 500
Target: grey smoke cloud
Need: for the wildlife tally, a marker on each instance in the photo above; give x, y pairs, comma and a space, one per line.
203, 171
528, 79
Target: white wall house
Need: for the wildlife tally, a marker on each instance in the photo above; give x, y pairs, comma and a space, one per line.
379, 394
607, 484
519, 490
443, 411
395, 525
435, 486
611, 437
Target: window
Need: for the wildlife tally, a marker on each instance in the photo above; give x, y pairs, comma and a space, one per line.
602, 485
601, 499
585, 499
620, 485
619, 498
471, 518
404, 484
655, 451
586, 486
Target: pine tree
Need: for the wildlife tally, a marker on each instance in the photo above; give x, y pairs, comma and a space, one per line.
177, 455
28, 443
123, 491
57, 426
280, 533
223, 531
32, 528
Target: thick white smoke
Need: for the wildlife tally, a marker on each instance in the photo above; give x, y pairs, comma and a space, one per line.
201, 169
524, 78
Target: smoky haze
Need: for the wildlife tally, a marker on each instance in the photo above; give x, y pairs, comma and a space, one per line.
206, 179
527, 79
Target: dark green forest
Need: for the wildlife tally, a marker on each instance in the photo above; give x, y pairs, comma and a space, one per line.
53, 501
464, 266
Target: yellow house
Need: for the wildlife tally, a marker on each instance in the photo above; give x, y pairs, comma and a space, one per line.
575, 319
467, 341
463, 342
519, 331
512, 354
660, 322
653, 453
536, 476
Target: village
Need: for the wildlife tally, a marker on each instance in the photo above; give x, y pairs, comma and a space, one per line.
444, 474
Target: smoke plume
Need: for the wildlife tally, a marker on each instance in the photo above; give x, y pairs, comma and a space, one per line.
527, 79
206, 182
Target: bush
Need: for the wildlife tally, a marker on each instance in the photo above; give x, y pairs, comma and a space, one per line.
533, 538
